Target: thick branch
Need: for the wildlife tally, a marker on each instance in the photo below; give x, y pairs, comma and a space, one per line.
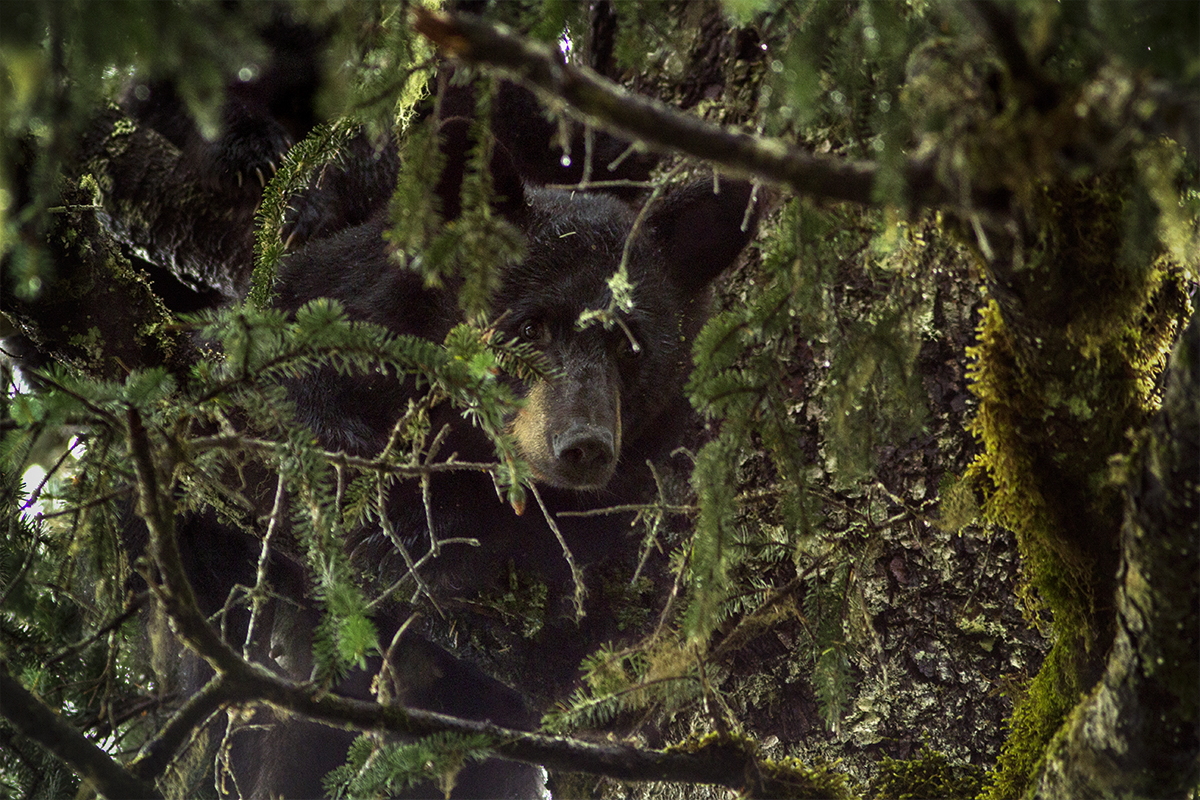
606, 104
157, 205
1138, 733
157, 753
175, 593
38, 722
721, 766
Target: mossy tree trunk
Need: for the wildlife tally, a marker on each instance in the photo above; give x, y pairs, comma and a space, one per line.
1069, 353
1138, 732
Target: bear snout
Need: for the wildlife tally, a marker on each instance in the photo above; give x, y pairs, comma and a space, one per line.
585, 450
570, 433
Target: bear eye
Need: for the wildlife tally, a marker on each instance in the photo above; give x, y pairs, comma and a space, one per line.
533, 331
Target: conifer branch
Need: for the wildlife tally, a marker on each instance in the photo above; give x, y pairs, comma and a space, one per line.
38, 722
132, 607
604, 103
722, 764
341, 459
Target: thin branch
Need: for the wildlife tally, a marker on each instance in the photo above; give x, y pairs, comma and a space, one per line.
36, 493
385, 522
666, 508
134, 606
259, 592
101, 500
156, 507
237, 442
40, 723
594, 185
420, 562
576, 575
157, 753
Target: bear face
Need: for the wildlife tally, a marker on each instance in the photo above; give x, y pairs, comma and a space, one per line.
612, 377
613, 397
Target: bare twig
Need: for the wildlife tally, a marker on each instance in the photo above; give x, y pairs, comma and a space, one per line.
385, 522
259, 592
576, 575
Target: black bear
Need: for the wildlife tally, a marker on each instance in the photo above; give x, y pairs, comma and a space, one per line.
612, 403
615, 403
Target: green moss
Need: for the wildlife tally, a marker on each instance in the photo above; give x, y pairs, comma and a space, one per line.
1037, 715
523, 605
790, 778
929, 776
90, 345
1005, 474
785, 779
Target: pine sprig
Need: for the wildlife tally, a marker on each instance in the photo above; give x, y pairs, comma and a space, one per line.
375, 767
321, 147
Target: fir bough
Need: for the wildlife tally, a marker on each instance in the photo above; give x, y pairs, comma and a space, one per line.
379, 768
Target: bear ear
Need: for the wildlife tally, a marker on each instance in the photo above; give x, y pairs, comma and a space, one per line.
701, 231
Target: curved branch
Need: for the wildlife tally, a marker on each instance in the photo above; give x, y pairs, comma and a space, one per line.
157, 753
606, 104
41, 724
240, 681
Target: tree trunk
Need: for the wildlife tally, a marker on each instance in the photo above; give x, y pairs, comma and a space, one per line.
1138, 733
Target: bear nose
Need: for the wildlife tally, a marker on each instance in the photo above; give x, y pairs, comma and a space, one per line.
584, 446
